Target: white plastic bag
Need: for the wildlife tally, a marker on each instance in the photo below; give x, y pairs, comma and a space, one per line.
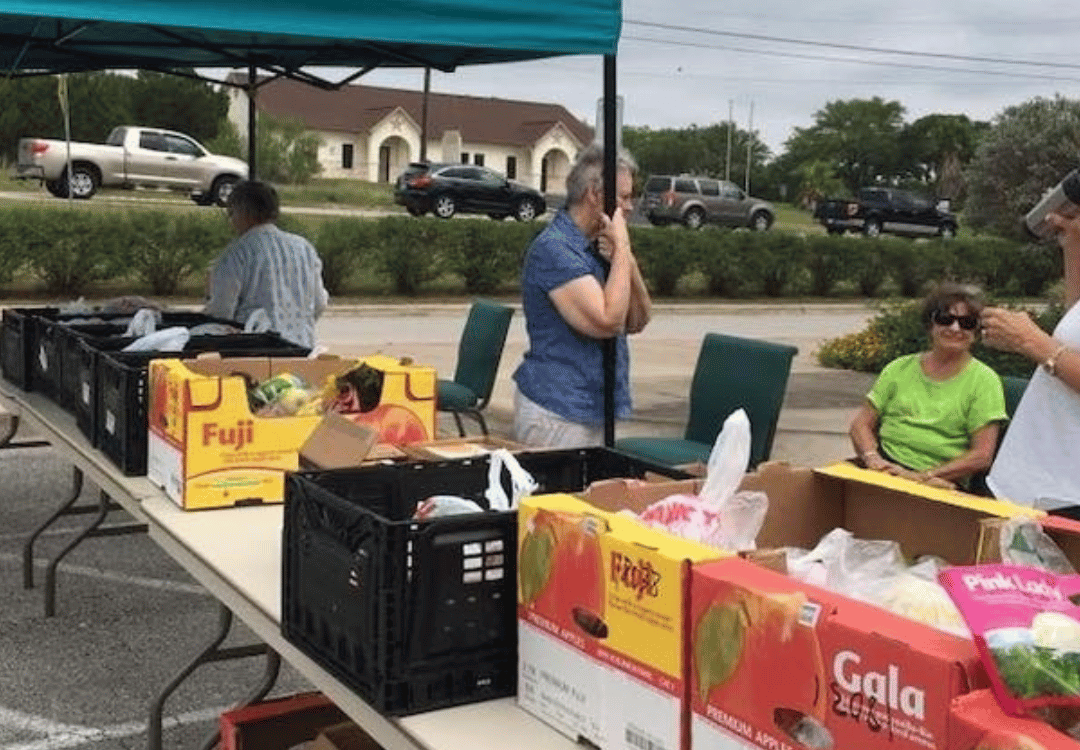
258, 322
728, 460
143, 322
166, 340
521, 481
859, 568
719, 516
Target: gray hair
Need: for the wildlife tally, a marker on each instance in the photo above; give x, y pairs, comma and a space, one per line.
588, 171
256, 200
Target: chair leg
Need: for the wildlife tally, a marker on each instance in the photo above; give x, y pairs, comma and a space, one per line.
460, 426
479, 417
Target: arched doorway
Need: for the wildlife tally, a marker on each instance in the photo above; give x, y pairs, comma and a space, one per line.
553, 170
394, 155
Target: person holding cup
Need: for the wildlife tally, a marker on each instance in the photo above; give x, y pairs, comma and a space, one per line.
1037, 463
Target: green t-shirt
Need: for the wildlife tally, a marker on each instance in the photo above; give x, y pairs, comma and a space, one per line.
922, 422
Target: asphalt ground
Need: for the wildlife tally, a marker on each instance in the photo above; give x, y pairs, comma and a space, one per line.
128, 617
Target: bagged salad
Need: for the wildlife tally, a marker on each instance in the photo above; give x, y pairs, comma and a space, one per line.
1026, 628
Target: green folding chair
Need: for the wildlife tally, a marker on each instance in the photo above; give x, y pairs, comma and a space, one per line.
479, 353
731, 373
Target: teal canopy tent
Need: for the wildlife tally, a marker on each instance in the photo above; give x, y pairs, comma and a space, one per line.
285, 36
294, 38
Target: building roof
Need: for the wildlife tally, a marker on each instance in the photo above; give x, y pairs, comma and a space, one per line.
357, 108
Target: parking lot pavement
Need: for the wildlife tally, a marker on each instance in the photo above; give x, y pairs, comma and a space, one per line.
128, 617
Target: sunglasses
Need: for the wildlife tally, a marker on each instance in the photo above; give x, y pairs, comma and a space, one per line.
946, 319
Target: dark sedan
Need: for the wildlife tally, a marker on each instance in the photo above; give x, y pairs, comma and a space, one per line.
447, 189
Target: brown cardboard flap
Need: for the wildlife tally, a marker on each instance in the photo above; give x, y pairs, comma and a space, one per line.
337, 443
454, 448
613, 495
344, 736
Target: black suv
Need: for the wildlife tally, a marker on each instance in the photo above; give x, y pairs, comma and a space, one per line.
694, 201
447, 189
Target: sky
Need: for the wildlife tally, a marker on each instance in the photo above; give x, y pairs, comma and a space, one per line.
772, 65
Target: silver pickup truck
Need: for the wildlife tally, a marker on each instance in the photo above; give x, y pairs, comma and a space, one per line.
130, 156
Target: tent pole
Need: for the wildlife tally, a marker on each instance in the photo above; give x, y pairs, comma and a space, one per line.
610, 162
424, 112
252, 171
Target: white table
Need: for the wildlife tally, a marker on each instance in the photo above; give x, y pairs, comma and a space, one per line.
236, 554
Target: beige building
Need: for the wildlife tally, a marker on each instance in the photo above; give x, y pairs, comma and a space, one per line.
372, 133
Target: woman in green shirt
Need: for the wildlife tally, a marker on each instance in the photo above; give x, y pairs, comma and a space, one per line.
933, 416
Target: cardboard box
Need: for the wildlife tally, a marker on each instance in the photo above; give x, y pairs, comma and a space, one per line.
278, 724
602, 602
805, 504
207, 449
344, 736
775, 663
978, 723
455, 448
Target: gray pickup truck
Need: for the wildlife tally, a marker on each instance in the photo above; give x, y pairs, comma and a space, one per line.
131, 156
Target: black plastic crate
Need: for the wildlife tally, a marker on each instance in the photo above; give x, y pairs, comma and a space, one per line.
52, 336
76, 365
17, 343
118, 424
416, 615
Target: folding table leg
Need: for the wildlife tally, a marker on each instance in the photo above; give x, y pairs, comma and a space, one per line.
105, 504
213, 652
63, 510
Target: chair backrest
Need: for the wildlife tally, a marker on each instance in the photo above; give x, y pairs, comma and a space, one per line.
733, 373
481, 347
1014, 388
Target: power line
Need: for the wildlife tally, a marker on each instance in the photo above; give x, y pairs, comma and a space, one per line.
827, 58
853, 47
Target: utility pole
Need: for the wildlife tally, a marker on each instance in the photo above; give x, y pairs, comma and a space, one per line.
749, 141
730, 127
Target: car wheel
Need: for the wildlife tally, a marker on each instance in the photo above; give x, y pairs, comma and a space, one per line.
56, 187
872, 228
835, 230
82, 184
444, 206
760, 221
496, 217
694, 218
948, 231
526, 210
222, 189
414, 211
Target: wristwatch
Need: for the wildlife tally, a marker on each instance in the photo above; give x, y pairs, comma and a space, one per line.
1050, 365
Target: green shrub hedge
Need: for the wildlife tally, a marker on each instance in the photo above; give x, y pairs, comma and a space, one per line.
67, 249
897, 329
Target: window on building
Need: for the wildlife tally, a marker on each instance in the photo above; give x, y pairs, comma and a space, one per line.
478, 160
511, 167
346, 155
464, 157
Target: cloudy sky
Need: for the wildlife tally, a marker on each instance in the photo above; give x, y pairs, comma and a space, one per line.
684, 62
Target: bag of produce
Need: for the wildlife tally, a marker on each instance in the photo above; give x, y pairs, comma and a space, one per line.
1026, 628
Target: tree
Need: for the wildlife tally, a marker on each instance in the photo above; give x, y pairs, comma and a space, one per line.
936, 148
859, 137
696, 150
1027, 150
160, 100
284, 149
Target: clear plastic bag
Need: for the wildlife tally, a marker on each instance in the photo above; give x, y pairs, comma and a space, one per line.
1023, 542
521, 481
143, 322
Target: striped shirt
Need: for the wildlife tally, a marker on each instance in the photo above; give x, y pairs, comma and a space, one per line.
274, 270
